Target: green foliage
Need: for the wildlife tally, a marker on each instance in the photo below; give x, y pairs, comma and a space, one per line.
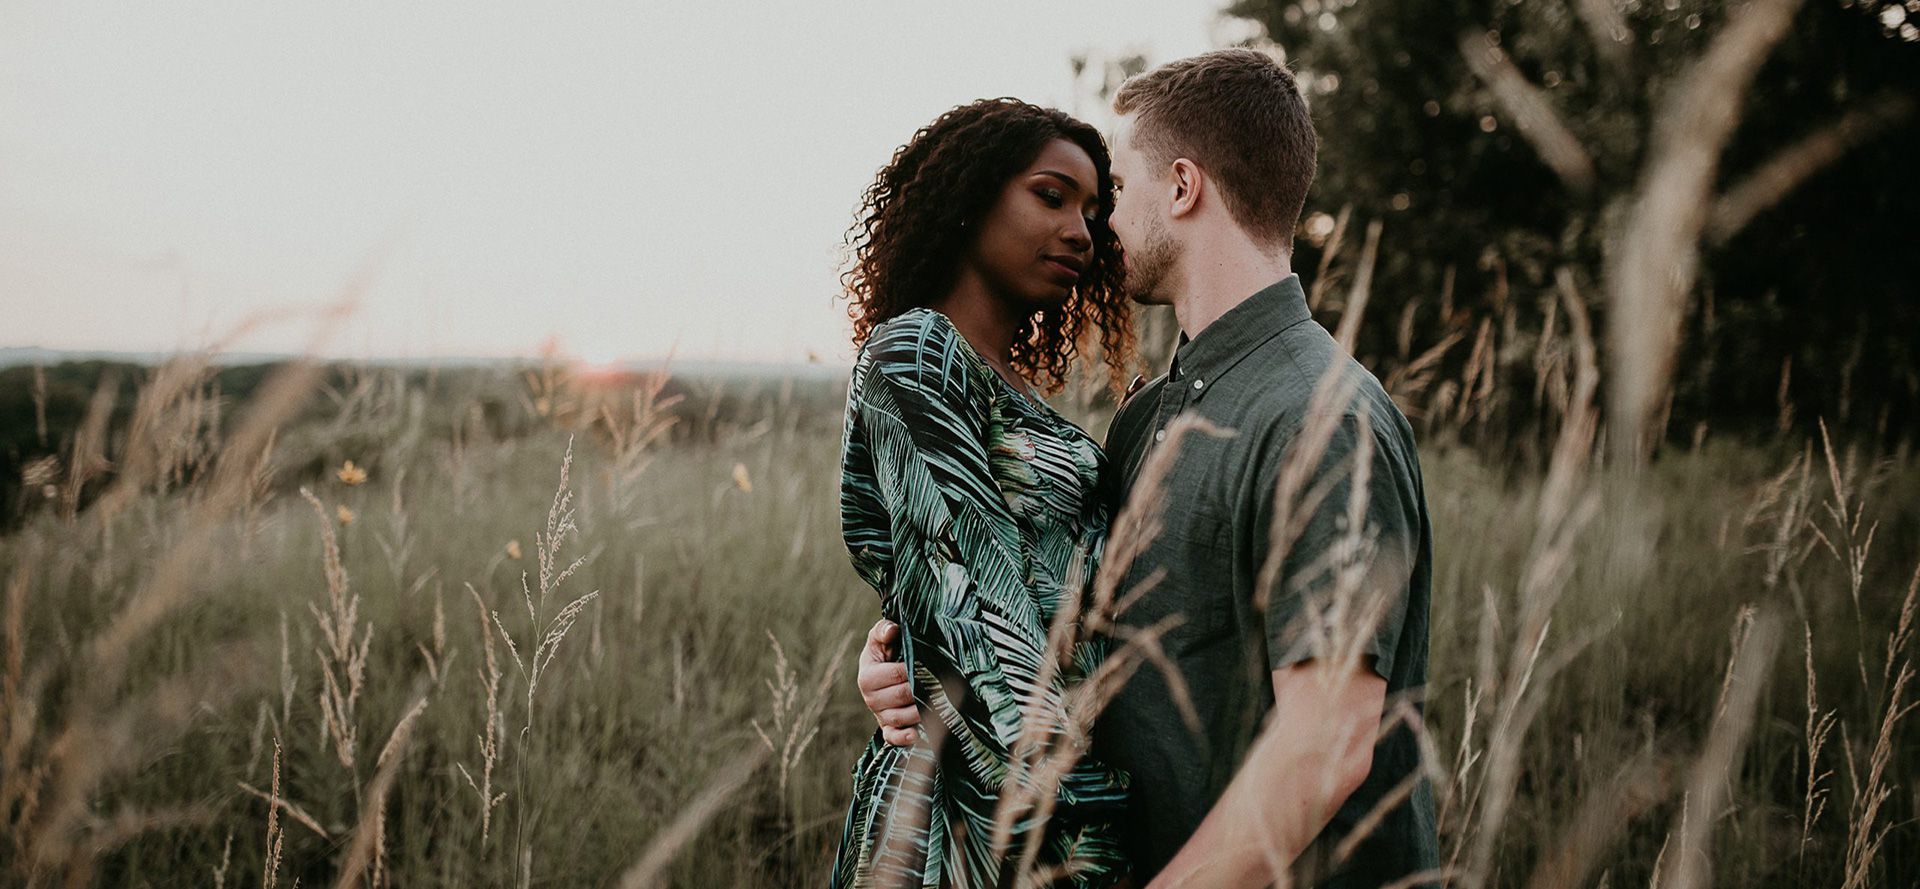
1822, 280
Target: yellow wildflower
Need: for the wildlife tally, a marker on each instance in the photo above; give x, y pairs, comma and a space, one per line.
351, 474
740, 479
513, 549
345, 514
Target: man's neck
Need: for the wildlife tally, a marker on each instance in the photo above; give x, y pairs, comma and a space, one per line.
1219, 274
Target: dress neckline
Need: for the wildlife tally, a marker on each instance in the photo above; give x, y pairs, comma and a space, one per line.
1033, 400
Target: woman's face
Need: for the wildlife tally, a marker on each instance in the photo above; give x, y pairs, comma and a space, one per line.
1035, 244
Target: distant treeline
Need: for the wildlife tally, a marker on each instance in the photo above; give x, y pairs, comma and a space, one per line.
43, 410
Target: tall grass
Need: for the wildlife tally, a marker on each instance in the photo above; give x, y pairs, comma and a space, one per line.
459, 671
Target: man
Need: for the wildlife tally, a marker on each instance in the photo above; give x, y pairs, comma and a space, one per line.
1291, 575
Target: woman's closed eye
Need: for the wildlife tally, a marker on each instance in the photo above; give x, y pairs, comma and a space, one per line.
1056, 199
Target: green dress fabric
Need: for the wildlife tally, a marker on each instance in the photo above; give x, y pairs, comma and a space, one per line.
976, 514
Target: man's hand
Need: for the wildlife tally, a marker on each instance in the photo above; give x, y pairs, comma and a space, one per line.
884, 688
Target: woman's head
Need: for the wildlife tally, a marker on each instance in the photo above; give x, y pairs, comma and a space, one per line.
1020, 196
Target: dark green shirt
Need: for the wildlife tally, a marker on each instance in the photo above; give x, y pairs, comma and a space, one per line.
1255, 371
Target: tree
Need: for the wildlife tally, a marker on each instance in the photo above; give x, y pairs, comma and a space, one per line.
1662, 150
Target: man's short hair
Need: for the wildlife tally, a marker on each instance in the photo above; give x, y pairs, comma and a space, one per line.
1239, 115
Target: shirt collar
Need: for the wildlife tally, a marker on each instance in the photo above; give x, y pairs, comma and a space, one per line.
1232, 336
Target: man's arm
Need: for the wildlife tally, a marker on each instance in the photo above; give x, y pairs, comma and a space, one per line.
1336, 611
1315, 751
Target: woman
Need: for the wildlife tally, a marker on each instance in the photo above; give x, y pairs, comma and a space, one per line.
981, 260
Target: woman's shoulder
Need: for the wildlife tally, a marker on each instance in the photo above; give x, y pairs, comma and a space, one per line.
923, 346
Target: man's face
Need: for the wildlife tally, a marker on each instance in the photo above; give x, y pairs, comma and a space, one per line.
1139, 219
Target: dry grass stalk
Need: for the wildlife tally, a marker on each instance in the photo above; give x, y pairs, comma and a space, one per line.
367, 851
1819, 730
1055, 731
40, 403
1607, 25
545, 635
343, 656
1409, 381
1566, 504
171, 434
648, 870
226, 858
1709, 789
792, 721
89, 457
61, 833
1653, 268
1529, 109
634, 434
22, 775
1866, 828
276, 835
171, 580
1355, 310
1598, 823
1324, 277
493, 729
1848, 541
285, 805
1786, 170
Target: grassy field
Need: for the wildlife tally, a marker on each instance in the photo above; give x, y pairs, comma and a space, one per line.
591, 640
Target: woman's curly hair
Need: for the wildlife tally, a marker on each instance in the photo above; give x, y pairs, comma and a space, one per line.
917, 219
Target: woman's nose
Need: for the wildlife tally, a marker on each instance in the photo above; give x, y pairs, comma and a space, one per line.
1077, 236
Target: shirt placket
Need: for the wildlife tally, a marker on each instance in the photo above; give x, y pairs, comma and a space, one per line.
1172, 400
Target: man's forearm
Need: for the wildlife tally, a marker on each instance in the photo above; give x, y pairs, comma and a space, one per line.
1316, 750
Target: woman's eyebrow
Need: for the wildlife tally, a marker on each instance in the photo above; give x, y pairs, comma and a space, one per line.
1069, 180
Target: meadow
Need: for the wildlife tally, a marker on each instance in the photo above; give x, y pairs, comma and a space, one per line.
538, 628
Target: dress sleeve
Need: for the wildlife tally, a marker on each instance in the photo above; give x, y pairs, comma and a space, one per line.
959, 587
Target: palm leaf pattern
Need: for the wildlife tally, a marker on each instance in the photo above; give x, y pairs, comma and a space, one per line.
974, 512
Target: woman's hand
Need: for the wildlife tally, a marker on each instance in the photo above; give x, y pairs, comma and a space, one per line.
884, 688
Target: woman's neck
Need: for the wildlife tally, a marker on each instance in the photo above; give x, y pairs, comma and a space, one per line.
988, 321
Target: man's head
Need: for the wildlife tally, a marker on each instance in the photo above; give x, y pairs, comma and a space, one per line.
1214, 139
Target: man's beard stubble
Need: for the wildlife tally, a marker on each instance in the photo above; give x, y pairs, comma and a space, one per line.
1147, 267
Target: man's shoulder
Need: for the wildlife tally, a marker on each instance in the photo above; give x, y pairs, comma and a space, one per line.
1304, 373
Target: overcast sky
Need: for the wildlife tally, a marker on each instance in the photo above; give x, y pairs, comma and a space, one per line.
630, 177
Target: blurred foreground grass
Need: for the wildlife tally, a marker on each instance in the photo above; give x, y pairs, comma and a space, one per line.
718, 651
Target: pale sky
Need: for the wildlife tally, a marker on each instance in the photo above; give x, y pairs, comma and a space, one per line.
630, 177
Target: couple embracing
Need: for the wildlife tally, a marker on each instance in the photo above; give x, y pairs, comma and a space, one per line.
1276, 621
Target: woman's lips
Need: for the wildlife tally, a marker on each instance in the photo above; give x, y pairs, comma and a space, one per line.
1063, 271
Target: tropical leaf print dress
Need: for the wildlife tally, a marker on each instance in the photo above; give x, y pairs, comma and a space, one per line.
976, 513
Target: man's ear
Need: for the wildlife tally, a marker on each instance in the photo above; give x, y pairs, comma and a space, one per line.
1187, 185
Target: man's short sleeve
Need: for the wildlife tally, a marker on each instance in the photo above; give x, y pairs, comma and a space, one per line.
1346, 533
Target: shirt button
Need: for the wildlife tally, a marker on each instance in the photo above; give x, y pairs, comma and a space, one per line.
1160, 436
1198, 383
